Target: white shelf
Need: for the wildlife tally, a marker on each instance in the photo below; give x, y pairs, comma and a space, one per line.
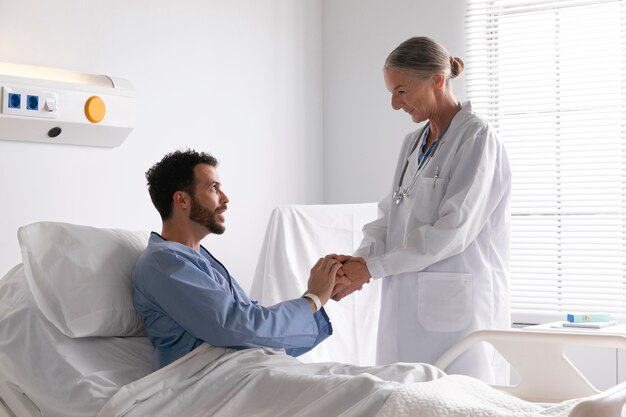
556, 326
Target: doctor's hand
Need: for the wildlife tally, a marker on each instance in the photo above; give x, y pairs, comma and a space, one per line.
343, 259
357, 273
323, 278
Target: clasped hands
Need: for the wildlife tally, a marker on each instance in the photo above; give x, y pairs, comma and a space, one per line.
336, 276
353, 273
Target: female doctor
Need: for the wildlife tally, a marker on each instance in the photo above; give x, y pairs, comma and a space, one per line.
442, 243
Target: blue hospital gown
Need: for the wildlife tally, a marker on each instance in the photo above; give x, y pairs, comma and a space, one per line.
186, 297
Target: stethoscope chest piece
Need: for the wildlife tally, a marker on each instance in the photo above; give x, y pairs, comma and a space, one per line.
398, 196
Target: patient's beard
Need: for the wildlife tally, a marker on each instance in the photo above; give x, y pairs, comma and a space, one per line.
205, 217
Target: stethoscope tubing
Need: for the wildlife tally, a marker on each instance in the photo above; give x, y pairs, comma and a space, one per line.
400, 192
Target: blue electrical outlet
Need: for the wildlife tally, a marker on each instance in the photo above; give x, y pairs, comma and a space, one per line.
15, 101
32, 102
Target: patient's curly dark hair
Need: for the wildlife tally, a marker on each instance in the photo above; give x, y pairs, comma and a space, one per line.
174, 173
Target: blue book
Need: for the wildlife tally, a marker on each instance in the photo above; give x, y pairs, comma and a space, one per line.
588, 317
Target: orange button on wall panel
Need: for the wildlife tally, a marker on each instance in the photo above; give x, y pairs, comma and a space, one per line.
95, 109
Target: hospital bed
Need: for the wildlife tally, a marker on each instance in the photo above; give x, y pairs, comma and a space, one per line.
72, 345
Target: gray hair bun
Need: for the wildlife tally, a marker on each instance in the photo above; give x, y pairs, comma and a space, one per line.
456, 66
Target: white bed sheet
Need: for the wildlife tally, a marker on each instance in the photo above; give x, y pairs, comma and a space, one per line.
54, 370
221, 382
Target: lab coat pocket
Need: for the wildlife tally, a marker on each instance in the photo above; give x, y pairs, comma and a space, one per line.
445, 301
428, 195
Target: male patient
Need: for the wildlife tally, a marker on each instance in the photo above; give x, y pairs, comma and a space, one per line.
186, 296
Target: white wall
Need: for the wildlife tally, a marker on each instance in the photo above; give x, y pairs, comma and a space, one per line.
240, 79
362, 133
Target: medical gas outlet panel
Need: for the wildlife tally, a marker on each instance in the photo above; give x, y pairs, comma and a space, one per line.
23, 101
64, 107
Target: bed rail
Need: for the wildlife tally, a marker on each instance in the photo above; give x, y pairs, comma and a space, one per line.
546, 374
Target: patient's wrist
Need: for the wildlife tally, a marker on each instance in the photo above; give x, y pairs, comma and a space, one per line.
311, 304
314, 301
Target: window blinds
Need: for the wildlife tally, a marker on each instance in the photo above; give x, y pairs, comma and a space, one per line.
551, 77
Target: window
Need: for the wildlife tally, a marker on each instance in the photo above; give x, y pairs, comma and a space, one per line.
551, 77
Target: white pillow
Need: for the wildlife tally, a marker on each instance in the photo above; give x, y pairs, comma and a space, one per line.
80, 277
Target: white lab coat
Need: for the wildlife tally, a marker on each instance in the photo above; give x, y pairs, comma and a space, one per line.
444, 250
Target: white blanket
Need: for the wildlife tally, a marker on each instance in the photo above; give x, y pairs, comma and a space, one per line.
462, 396
262, 382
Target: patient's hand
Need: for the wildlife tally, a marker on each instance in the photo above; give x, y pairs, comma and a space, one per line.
323, 277
357, 273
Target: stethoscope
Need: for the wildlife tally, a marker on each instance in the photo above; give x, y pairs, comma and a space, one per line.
399, 194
